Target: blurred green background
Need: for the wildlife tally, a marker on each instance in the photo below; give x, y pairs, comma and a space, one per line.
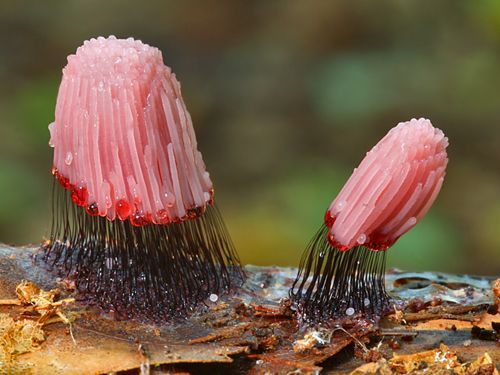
286, 97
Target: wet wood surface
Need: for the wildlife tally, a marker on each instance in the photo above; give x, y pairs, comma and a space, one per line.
253, 331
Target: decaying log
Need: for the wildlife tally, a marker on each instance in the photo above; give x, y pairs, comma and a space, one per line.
253, 331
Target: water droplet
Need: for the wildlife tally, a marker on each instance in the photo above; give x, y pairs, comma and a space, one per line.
340, 205
169, 199
366, 302
362, 238
329, 219
79, 195
51, 131
62, 180
213, 297
350, 311
69, 158
123, 209
138, 219
162, 214
92, 209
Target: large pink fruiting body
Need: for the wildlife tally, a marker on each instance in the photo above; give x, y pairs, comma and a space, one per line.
123, 139
391, 190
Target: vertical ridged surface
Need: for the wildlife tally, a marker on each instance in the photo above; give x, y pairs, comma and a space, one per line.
123, 139
392, 188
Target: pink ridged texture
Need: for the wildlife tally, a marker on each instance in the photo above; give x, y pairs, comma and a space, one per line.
123, 139
391, 190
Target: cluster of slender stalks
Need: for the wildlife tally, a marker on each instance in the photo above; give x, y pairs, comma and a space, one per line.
332, 283
151, 271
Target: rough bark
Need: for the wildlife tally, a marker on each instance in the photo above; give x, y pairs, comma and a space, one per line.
252, 331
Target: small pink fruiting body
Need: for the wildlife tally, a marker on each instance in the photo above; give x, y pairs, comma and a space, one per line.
123, 140
391, 190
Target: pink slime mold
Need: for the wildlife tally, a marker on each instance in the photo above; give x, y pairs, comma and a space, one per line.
123, 139
391, 190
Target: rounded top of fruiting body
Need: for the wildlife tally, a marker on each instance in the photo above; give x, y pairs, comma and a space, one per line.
114, 60
391, 190
123, 140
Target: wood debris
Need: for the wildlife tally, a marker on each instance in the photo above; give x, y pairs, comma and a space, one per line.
313, 339
43, 302
20, 335
496, 293
253, 331
436, 361
17, 337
